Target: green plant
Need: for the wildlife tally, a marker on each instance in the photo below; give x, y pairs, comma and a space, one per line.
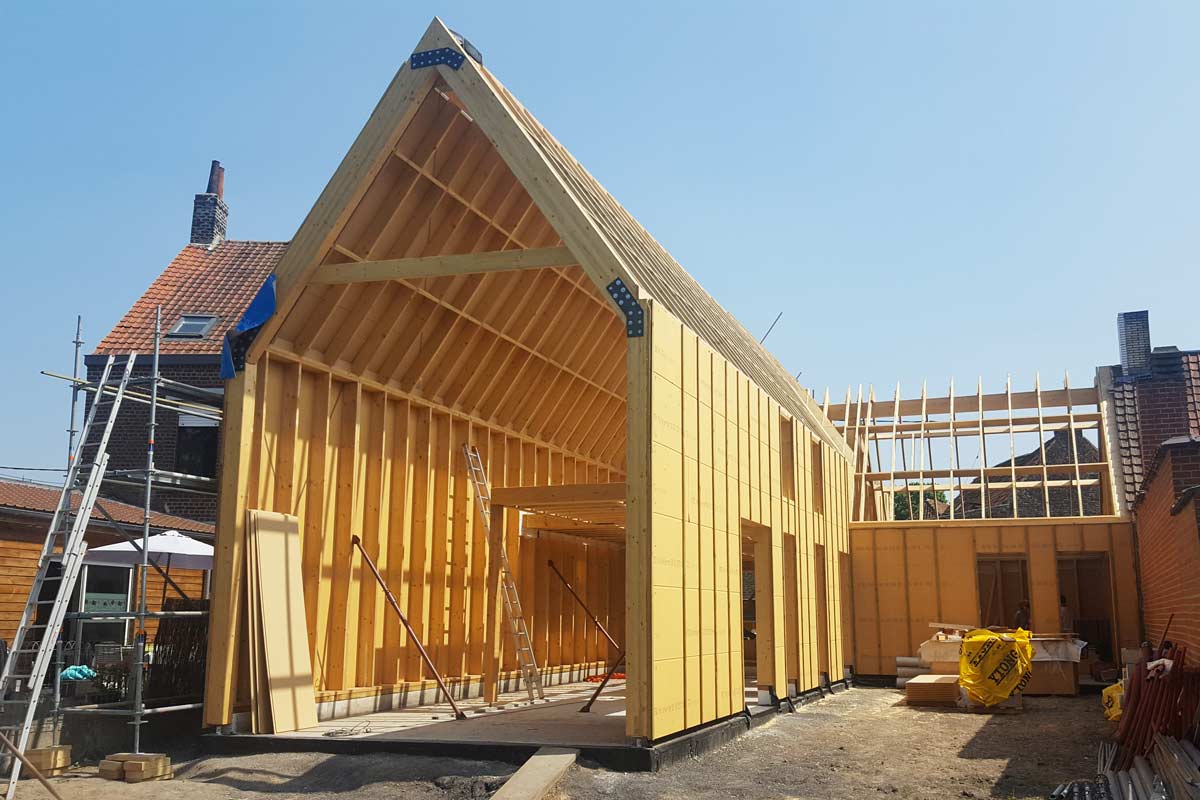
907, 505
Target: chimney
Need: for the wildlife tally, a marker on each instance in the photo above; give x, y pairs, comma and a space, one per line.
209, 212
1133, 335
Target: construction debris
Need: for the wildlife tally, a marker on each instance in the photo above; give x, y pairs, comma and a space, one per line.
1160, 698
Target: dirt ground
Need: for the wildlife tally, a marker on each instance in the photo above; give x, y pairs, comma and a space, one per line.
859, 744
864, 743
293, 775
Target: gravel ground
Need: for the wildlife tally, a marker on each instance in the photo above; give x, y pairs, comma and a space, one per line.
859, 744
864, 743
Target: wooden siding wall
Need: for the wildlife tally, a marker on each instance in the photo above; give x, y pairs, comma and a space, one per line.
704, 460
352, 459
908, 574
20, 546
191, 581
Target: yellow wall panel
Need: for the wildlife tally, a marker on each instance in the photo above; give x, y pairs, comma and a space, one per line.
715, 469
891, 589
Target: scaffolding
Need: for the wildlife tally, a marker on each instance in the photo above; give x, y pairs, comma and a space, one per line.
158, 393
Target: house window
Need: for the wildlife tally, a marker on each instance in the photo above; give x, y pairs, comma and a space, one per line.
101, 588
787, 458
196, 446
818, 478
192, 326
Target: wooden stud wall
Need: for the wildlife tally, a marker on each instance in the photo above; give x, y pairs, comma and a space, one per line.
909, 428
349, 459
908, 574
357, 393
711, 467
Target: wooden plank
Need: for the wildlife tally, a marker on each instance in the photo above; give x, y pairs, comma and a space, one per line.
442, 266
284, 629
997, 401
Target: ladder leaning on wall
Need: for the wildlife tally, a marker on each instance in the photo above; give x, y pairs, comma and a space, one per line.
513, 614
33, 646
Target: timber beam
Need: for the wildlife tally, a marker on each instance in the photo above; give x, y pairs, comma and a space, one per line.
536, 496
441, 266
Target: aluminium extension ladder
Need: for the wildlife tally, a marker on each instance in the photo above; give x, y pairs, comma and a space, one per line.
508, 587
30, 657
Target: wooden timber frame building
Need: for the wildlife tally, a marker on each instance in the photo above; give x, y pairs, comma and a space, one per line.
1013, 528
462, 280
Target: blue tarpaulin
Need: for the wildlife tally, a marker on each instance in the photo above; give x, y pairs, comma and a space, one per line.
237, 341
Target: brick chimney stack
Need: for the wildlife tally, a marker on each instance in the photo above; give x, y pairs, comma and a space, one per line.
1133, 335
210, 215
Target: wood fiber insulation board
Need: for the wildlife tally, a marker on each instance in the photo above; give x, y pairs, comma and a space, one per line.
891, 565
715, 472
283, 630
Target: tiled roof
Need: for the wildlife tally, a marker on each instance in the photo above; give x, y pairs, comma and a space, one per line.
40, 497
1129, 437
220, 281
1191, 367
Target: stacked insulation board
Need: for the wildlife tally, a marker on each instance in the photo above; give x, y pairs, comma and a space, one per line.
932, 690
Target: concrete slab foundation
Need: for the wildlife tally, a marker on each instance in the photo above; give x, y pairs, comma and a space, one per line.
512, 733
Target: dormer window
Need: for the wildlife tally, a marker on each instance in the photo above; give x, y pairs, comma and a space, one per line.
193, 326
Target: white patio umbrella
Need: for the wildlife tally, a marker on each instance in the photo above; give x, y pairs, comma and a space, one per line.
167, 549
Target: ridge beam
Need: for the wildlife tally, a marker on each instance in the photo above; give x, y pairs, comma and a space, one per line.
441, 266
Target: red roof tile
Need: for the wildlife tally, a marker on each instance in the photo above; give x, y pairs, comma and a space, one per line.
220, 281
1129, 437
40, 497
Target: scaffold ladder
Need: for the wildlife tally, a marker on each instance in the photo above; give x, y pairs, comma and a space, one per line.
513, 614
33, 646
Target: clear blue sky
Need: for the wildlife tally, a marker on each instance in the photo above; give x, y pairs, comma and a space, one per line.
927, 190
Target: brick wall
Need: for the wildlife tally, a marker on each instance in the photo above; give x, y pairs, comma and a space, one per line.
127, 447
210, 216
1168, 534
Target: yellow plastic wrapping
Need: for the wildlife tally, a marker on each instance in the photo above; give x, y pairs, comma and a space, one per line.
1111, 697
992, 666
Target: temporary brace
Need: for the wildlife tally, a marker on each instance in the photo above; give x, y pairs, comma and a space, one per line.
620, 650
635, 315
412, 635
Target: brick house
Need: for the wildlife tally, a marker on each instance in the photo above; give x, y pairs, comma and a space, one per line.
203, 293
1154, 394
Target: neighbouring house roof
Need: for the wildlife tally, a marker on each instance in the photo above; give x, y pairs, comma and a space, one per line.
26, 496
1058, 453
1129, 437
219, 281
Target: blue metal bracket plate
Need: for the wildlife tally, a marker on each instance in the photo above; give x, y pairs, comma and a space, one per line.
635, 315
431, 58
